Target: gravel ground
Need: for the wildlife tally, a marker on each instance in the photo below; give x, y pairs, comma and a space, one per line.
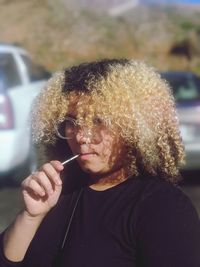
11, 202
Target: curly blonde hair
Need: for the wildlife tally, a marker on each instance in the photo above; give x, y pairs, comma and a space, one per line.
131, 98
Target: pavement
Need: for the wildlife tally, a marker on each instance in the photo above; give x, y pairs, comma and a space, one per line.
10, 205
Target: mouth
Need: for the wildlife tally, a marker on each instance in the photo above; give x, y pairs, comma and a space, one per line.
87, 155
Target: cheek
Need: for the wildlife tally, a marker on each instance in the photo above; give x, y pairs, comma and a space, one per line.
107, 149
71, 145
114, 149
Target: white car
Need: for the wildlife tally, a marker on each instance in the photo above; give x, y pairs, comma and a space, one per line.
186, 89
20, 81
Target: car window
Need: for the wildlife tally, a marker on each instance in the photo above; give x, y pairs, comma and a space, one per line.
9, 75
185, 88
35, 72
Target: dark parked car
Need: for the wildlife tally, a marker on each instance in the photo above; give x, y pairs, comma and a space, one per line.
186, 89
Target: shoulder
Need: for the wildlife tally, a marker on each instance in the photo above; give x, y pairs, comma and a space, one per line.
150, 189
154, 189
159, 196
148, 193
163, 209
167, 226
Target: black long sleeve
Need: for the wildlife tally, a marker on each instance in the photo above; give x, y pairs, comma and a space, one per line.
138, 223
168, 230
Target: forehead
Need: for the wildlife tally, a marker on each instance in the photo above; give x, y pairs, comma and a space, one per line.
80, 103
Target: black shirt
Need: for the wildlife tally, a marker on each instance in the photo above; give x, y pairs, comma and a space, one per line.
140, 222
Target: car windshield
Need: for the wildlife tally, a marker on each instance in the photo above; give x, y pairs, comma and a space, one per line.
186, 88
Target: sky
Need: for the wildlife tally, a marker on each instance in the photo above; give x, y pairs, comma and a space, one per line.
189, 1
173, 1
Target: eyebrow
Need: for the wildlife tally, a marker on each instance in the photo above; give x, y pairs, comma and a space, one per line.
71, 116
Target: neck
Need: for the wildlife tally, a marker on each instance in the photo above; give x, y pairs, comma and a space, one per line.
103, 182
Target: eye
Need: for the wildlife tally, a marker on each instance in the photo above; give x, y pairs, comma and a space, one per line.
69, 123
97, 121
70, 116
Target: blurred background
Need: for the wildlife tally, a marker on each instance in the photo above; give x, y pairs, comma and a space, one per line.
38, 38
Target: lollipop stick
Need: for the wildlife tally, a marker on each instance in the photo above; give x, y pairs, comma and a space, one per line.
70, 159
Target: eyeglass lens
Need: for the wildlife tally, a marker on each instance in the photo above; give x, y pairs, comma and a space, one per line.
69, 128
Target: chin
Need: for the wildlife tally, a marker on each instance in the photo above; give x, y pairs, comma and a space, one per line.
94, 170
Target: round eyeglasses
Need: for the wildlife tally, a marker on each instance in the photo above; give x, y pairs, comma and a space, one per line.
69, 128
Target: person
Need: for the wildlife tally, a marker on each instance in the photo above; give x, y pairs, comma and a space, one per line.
117, 117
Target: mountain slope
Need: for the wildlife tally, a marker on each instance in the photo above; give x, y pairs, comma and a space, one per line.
58, 36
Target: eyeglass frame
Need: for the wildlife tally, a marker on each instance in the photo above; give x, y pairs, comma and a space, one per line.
68, 118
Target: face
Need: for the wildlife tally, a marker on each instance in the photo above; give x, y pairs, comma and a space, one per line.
101, 151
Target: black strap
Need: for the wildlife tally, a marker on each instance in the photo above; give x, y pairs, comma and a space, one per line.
72, 208
76, 198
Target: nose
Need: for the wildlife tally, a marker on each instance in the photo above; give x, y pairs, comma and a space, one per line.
84, 135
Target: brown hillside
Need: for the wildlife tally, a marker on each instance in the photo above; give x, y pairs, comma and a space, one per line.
57, 36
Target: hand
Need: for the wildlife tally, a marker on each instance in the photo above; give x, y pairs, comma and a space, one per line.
41, 190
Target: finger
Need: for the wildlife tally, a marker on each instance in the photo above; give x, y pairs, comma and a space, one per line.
44, 181
52, 172
57, 165
34, 186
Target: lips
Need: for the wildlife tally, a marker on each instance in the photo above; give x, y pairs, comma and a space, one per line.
87, 155
87, 152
